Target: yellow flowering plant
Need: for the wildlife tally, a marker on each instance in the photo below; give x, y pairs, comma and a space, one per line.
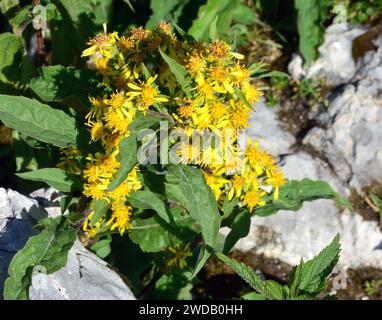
156, 158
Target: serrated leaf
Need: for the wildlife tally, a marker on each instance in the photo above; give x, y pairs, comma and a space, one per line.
146, 199
315, 272
269, 289
201, 205
48, 249
179, 72
295, 280
38, 121
56, 178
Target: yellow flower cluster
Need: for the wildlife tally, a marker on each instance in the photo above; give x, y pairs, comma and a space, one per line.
140, 81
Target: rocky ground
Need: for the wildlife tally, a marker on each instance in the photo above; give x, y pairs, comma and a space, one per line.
341, 144
85, 277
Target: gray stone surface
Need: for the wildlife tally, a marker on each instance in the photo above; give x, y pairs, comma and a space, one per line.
345, 150
265, 128
85, 277
352, 141
335, 63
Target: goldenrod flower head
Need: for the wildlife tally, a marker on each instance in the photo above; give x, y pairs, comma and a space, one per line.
252, 199
138, 80
219, 49
120, 217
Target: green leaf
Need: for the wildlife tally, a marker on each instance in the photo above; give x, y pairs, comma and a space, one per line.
12, 51
253, 296
38, 121
102, 248
294, 194
82, 20
228, 206
56, 178
127, 158
146, 199
295, 280
213, 30
315, 272
100, 208
311, 15
128, 149
207, 14
173, 286
244, 15
201, 205
162, 10
239, 229
48, 249
66, 85
179, 72
268, 289
242, 97
377, 202
154, 234
184, 35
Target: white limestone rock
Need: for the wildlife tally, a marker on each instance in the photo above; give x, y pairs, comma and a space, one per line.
85, 277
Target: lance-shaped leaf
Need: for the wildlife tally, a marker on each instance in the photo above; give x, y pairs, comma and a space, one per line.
268, 289
239, 229
315, 272
56, 178
311, 15
201, 205
179, 72
146, 199
100, 207
48, 249
294, 194
38, 121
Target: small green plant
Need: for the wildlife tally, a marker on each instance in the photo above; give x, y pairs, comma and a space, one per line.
360, 11
377, 202
373, 287
308, 280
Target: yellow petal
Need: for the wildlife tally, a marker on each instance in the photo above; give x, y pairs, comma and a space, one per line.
89, 51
